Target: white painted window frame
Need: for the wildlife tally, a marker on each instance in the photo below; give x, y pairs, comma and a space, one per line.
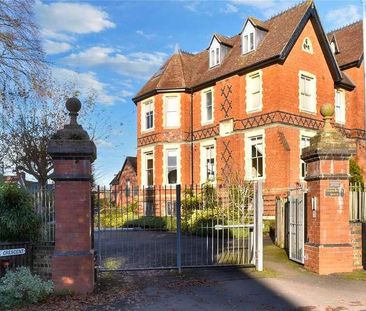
313, 94
166, 148
204, 120
144, 103
248, 160
144, 152
342, 107
306, 133
178, 96
214, 54
203, 147
243, 38
249, 91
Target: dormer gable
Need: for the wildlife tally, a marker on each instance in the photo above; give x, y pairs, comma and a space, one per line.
334, 45
252, 34
218, 48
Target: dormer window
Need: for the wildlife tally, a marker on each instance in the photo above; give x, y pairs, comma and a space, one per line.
332, 47
252, 34
215, 57
248, 43
214, 53
218, 48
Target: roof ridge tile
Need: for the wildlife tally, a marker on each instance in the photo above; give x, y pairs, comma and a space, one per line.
289, 9
344, 27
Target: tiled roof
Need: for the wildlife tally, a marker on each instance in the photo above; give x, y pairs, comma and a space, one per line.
184, 70
224, 40
349, 41
133, 163
258, 23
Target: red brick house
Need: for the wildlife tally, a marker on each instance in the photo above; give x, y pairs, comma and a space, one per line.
248, 104
124, 184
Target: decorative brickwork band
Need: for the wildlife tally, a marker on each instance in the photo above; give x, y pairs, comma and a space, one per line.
328, 247
275, 117
73, 152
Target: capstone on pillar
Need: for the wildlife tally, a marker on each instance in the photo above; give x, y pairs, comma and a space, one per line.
328, 246
72, 153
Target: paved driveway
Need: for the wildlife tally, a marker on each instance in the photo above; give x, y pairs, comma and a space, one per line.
134, 249
283, 285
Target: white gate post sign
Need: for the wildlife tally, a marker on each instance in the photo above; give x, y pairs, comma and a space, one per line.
12, 252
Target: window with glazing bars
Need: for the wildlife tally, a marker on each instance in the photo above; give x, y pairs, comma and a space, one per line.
149, 115
172, 166
307, 90
210, 162
256, 156
305, 142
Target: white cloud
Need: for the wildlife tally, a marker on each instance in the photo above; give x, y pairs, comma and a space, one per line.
138, 65
345, 15
53, 47
192, 6
102, 143
229, 8
260, 4
78, 18
87, 83
267, 7
60, 22
145, 35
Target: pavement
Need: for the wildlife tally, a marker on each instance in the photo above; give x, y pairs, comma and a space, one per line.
283, 285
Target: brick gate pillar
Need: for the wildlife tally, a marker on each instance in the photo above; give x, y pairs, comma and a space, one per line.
72, 153
328, 246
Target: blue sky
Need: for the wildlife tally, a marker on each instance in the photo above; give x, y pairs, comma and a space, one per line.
113, 47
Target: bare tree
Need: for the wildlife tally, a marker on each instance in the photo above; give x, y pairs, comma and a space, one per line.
21, 56
29, 121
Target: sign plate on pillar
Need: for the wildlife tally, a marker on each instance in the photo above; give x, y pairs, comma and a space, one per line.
334, 192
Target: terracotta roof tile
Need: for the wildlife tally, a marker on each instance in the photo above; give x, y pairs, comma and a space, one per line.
349, 41
225, 40
258, 23
184, 70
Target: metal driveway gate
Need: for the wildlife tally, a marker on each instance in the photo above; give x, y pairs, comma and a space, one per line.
296, 225
173, 228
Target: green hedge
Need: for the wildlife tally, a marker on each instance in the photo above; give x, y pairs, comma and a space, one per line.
18, 219
197, 222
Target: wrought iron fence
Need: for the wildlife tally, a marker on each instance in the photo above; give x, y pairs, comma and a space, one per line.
357, 203
44, 205
172, 227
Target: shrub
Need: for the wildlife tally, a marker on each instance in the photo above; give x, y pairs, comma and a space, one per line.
355, 172
114, 218
18, 219
147, 222
20, 287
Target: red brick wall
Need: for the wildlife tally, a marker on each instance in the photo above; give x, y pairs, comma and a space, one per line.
356, 240
280, 92
119, 191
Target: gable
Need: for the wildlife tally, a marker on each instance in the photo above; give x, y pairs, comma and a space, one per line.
280, 34
311, 16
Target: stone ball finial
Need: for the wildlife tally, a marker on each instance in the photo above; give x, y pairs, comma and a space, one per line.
73, 105
327, 110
